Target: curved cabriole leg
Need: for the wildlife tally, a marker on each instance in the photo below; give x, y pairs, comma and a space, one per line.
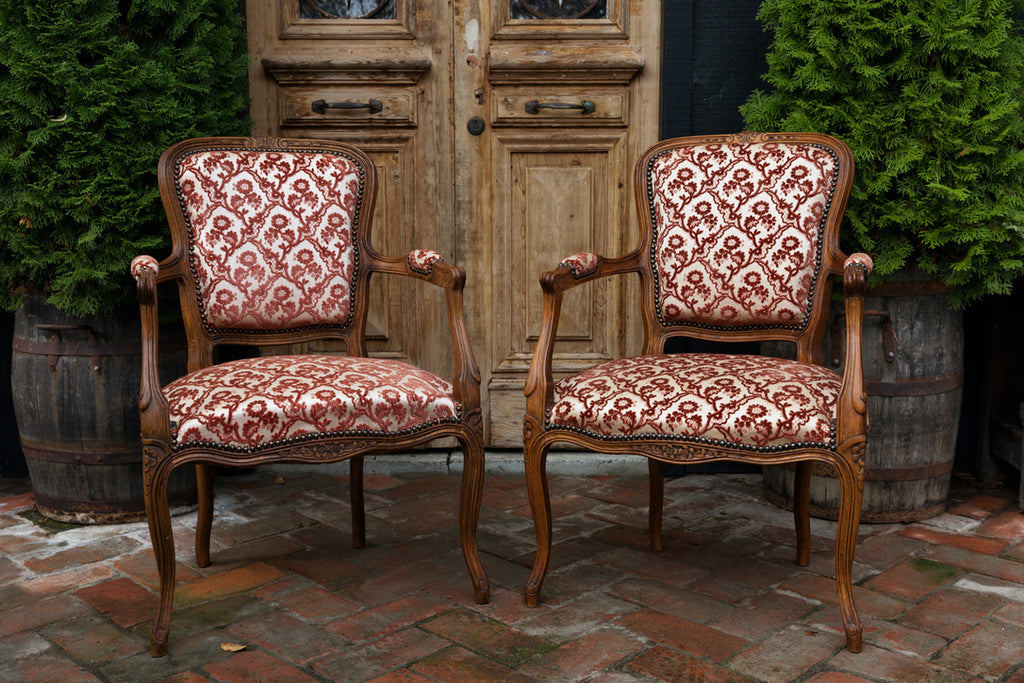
851, 482
158, 513
204, 518
535, 463
355, 482
469, 513
801, 511
656, 474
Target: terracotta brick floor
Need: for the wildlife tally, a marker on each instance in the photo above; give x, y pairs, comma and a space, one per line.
941, 600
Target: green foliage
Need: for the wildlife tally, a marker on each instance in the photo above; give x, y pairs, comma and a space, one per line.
91, 93
929, 96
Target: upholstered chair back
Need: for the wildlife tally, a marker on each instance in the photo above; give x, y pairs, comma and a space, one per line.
737, 233
271, 236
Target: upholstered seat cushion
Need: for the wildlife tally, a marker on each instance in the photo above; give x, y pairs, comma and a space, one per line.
750, 401
260, 402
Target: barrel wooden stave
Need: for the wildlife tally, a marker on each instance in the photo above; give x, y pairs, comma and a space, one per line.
76, 404
913, 406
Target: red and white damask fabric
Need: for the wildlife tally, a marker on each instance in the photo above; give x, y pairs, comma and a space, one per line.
737, 231
258, 402
582, 263
752, 401
272, 236
422, 260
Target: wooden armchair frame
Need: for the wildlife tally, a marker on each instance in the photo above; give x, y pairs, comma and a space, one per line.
161, 453
851, 421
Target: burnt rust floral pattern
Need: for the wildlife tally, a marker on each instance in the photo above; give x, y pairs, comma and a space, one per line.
422, 260
271, 236
583, 263
737, 231
752, 401
259, 402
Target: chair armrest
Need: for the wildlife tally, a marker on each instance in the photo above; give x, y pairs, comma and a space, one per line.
852, 415
152, 402
571, 271
429, 265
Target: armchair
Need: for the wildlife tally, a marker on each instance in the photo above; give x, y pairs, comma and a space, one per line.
738, 243
271, 245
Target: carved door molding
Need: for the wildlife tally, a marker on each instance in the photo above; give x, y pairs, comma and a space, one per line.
505, 132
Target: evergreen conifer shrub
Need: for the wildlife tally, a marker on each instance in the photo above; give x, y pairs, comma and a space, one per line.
91, 93
928, 94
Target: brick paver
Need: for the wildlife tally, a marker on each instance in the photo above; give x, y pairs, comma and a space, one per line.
941, 599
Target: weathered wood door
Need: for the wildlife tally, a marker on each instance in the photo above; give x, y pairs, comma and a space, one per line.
504, 132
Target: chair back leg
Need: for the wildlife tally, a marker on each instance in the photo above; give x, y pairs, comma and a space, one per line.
357, 502
801, 511
204, 518
655, 510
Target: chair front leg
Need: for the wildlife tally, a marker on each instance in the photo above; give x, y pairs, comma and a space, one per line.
535, 463
155, 477
851, 483
470, 498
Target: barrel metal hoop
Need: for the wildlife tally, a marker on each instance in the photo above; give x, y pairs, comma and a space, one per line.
910, 288
125, 456
924, 386
59, 348
908, 473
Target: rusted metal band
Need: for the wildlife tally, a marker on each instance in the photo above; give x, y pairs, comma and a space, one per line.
914, 288
109, 511
59, 348
939, 384
109, 507
868, 516
124, 456
908, 473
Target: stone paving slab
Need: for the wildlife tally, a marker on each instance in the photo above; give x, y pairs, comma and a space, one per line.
941, 599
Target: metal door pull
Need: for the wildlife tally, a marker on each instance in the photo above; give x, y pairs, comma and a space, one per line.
321, 106
534, 107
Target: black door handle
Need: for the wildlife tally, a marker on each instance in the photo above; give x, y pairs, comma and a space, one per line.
534, 107
321, 106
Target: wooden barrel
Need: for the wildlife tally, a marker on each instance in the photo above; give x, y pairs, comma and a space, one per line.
913, 370
76, 385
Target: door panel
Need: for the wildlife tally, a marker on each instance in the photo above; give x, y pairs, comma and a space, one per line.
551, 200
504, 133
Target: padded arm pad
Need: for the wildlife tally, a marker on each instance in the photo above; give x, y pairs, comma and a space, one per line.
144, 262
861, 260
582, 263
422, 260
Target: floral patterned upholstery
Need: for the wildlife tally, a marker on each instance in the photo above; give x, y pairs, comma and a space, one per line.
422, 260
271, 236
144, 262
738, 232
745, 401
583, 263
256, 403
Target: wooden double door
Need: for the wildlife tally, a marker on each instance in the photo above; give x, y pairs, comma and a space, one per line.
504, 132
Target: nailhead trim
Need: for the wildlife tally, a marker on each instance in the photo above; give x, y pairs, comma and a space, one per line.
176, 446
700, 440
